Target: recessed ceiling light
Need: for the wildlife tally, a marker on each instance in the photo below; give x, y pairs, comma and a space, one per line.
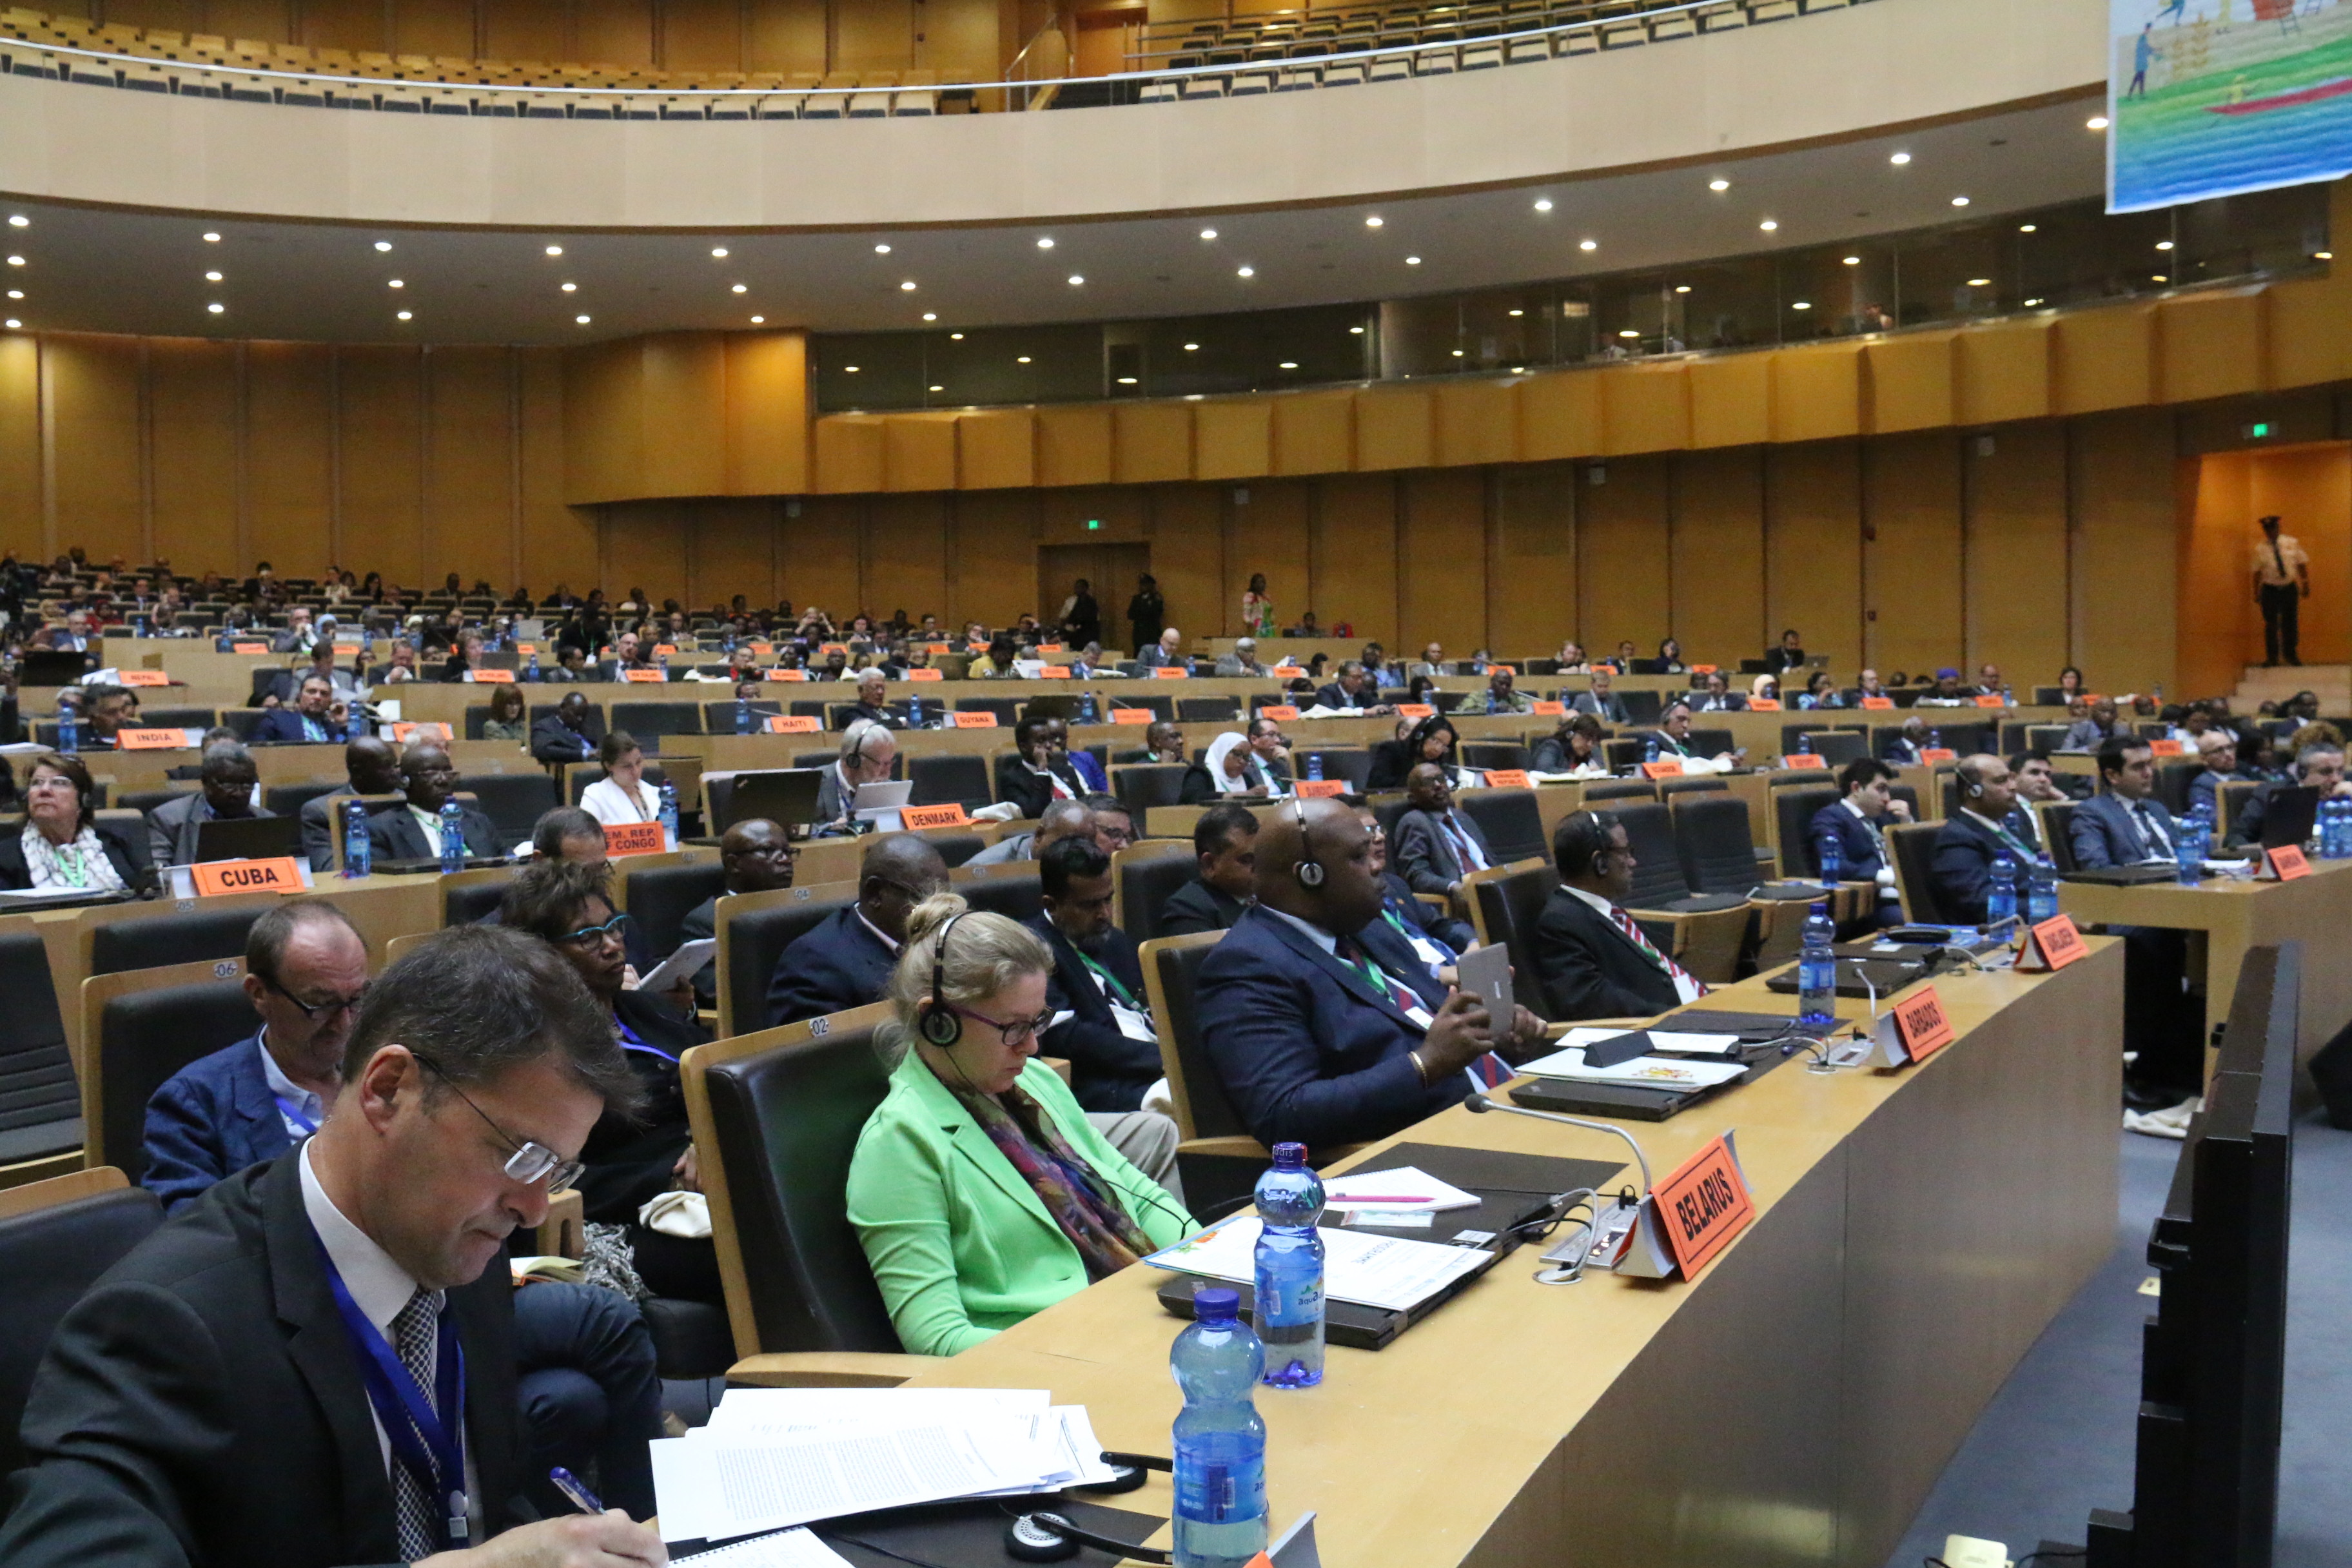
2164, 244
851, 369
1022, 360
13, 323
1289, 365
407, 315
2323, 256
1518, 312
1123, 380
212, 239
759, 320
1770, 225
955, 337
15, 293
569, 288
739, 289
1899, 159
1803, 305
1588, 244
1374, 221
1979, 282
16, 262
1457, 353
1208, 234
1076, 279
930, 315
2027, 228
581, 319
19, 220
395, 283
216, 308
555, 250
1622, 331
2029, 303
1247, 271
1356, 332
1413, 261
2096, 122
1543, 204
1959, 201
938, 389
718, 253
1853, 261
384, 244
881, 251
2158, 277
1191, 348
1719, 186
1045, 242
212, 277
1682, 288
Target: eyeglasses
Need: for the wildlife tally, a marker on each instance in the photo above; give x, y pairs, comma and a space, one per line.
315, 1011
596, 936
1018, 1032
532, 1161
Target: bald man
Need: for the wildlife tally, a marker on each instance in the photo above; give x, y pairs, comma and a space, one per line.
1062, 819
846, 960
757, 856
369, 767
1322, 1025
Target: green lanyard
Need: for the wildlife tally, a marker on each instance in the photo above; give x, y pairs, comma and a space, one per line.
69, 863
1112, 981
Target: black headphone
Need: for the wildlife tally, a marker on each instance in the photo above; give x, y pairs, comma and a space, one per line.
1970, 784
1308, 870
938, 1024
1045, 1537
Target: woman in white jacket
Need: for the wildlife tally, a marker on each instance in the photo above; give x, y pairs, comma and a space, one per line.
621, 795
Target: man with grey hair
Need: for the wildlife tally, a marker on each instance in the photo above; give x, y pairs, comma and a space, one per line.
1242, 660
872, 704
867, 752
2218, 748
229, 782
2319, 766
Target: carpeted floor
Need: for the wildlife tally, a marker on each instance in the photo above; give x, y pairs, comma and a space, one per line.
2056, 1441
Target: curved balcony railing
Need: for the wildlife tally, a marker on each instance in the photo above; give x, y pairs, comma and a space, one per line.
574, 94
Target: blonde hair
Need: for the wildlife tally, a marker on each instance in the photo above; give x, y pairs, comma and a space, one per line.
988, 954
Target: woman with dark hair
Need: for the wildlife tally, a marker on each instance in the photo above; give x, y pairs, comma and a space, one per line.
1574, 747
1819, 692
628, 1162
621, 795
2070, 684
1434, 740
1258, 610
1419, 688
505, 720
63, 847
1670, 658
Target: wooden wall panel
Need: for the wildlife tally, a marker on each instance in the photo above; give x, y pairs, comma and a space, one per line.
21, 509
907, 554
1731, 400
919, 451
469, 472
786, 34
1395, 428
1621, 555
2017, 565
1911, 553
1442, 591
559, 541
603, 435
1648, 409
848, 451
874, 35
1356, 554
1151, 442
1812, 546
961, 41
1716, 556
1270, 534
93, 398
2106, 359
193, 414
1911, 381
2126, 546
1314, 433
1188, 555
702, 35
1074, 447
291, 509
1531, 570
1233, 438
685, 413
643, 547
818, 555
512, 32
1561, 415
1817, 392
2310, 332
2210, 345
268, 19
383, 461
2220, 628
623, 35
420, 26
993, 549
767, 414
1477, 422
2005, 371
996, 449
732, 546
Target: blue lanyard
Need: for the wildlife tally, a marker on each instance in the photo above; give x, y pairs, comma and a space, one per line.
294, 1113
630, 1042
432, 1452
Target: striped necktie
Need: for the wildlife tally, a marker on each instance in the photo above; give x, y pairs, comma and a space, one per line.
417, 1512
1466, 852
1632, 933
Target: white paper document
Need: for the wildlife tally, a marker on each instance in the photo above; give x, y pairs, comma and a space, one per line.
787, 1549
1406, 1187
1640, 1072
714, 1487
1663, 1042
779, 1411
1388, 1271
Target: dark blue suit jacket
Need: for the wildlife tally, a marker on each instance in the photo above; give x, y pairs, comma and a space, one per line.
1962, 866
837, 966
211, 1120
1109, 1071
2103, 833
1859, 853
1425, 919
283, 727
1306, 1049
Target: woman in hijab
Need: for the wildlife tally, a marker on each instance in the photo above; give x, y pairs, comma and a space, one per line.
1763, 688
1229, 769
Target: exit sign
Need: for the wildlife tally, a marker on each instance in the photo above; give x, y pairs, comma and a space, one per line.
2259, 431
1095, 522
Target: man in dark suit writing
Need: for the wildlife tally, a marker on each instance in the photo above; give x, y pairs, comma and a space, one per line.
205, 1402
1354, 691
1321, 1028
1591, 958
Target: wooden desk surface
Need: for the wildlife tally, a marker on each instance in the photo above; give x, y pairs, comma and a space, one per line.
1915, 1232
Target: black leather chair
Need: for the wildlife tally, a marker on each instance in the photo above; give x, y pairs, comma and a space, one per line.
1620, 789
1659, 883
1643, 707
2234, 796
957, 848
146, 800
751, 941
1016, 890
1219, 1161
1712, 742
1703, 785
289, 799
1507, 907
2046, 737
1711, 837
647, 722
1624, 752
1140, 786
40, 1099
1351, 764
243, 720
174, 936
177, 717
718, 718
1208, 710
144, 1037
513, 802
2058, 832
1145, 878
51, 1250
779, 1127
1488, 755
2172, 778
1834, 747
1793, 810
470, 896
1913, 846
2049, 697
660, 897
1508, 817
963, 780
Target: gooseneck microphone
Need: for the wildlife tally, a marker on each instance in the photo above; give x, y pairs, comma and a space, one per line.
1479, 1104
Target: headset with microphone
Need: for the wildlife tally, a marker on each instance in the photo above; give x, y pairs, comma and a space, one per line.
1049, 1537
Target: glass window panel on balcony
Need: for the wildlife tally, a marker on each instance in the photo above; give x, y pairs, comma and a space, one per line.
1205, 356
1051, 363
1956, 273
868, 369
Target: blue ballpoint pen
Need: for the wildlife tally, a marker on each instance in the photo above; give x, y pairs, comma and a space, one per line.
569, 1485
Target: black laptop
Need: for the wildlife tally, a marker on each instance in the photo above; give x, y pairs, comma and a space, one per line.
249, 838
786, 796
2287, 815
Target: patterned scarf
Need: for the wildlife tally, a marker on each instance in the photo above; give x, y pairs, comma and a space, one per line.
1081, 1201
81, 864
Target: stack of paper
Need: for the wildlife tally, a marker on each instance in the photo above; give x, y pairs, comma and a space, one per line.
1640, 1072
1372, 1270
772, 1457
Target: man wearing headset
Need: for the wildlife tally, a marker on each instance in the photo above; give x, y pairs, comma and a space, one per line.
1591, 958
1983, 828
867, 750
1321, 1024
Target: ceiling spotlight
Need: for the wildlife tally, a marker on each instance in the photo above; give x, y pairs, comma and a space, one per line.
1208, 234
1719, 186
1622, 331
1900, 159
1588, 244
16, 262
216, 307
1979, 282
1251, 271
1021, 360
1853, 261
1682, 288
15, 293
384, 244
2158, 277
1123, 380
2323, 256
2096, 122
718, 253
955, 337
850, 369
1076, 279
1289, 365
581, 319
212, 277
1543, 204
13, 323
395, 283
1802, 305
1959, 201
555, 250
2029, 303
19, 220
1356, 331
1191, 348
930, 315
944, 389
1045, 242
759, 320
404, 315
1518, 312
1374, 221
746, 289
2164, 244
569, 288
881, 251
1413, 261
1770, 225
212, 239
1457, 353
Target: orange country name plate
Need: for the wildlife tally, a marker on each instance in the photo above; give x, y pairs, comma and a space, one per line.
644, 675
1552, 710
1508, 778
916, 817
1763, 705
249, 648
1914, 1028
1171, 672
634, 838
2052, 944
215, 878
1878, 704
1321, 789
495, 676
2287, 863
1991, 700
150, 740
666, 649
1664, 768
1282, 711
406, 730
926, 675
1051, 648
1703, 1204
1804, 760
2165, 749
1053, 671
793, 724
1931, 755
974, 721
1704, 669
786, 675
763, 650
1415, 709
145, 678
1133, 716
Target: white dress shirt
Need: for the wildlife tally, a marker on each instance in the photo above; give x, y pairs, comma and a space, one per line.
302, 1100
614, 806
1686, 986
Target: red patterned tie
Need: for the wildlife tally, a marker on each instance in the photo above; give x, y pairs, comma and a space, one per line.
1633, 934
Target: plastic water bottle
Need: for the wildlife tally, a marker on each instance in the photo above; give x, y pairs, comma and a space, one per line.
1936, 738
1288, 1315
669, 813
1086, 708
1315, 766
915, 712
2008, 697
68, 726
1817, 970
661, 662
729, 644
1804, 745
453, 836
1219, 1438
359, 855
2041, 890
2000, 893
532, 673
742, 716
1832, 855
1650, 751
2330, 825
2188, 851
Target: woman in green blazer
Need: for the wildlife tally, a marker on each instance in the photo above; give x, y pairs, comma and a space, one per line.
980, 1190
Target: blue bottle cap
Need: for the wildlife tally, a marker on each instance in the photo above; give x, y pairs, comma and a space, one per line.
1821, 909
1289, 1156
1216, 1304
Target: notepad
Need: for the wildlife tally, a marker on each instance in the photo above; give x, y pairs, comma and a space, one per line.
1641, 1072
1406, 1187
